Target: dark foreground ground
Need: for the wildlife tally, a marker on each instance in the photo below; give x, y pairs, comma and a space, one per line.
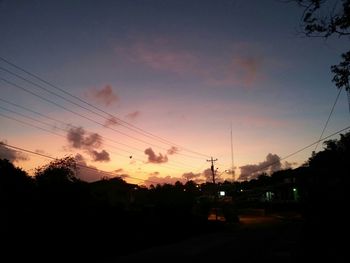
256, 238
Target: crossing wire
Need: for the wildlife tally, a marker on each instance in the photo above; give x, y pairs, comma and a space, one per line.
170, 166
69, 125
122, 122
85, 117
78, 164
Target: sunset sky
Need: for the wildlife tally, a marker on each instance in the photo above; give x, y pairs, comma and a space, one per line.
178, 73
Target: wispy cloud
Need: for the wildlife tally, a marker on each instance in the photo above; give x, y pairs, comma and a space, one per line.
242, 71
159, 54
111, 121
248, 69
133, 115
120, 170
153, 158
105, 95
242, 67
172, 150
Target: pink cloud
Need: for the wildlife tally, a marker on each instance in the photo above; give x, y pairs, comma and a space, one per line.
249, 68
104, 95
120, 170
244, 65
172, 150
159, 54
112, 121
133, 115
245, 71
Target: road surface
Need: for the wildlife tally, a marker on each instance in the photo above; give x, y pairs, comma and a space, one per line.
256, 238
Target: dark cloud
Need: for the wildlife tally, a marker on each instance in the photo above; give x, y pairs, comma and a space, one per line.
270, 165
79, 158
133, 115
288, 165
102, 156
153, 158
11, 155
87, 172
153, 179
112, 121
121, 173
104, 96
208, 175
191, 176
123, 176
78, 138
172, 150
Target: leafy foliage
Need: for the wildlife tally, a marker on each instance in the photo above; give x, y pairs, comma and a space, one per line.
325, 18
57, 172
336, 21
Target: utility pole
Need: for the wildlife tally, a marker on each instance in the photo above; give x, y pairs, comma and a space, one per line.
215, 190
212, 168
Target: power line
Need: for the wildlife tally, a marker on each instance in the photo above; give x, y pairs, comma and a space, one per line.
85, 117
74, 112
78, 164
69, 125
171, 166
329, 117
29, 124
62, 122
122, 122
300, 150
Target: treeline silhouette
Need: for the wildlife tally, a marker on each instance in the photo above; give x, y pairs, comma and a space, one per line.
55, 217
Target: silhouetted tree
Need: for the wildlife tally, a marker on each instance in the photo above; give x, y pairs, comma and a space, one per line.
325, 18
326, 184
16, 193
330, 171
58, 172
61, 193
